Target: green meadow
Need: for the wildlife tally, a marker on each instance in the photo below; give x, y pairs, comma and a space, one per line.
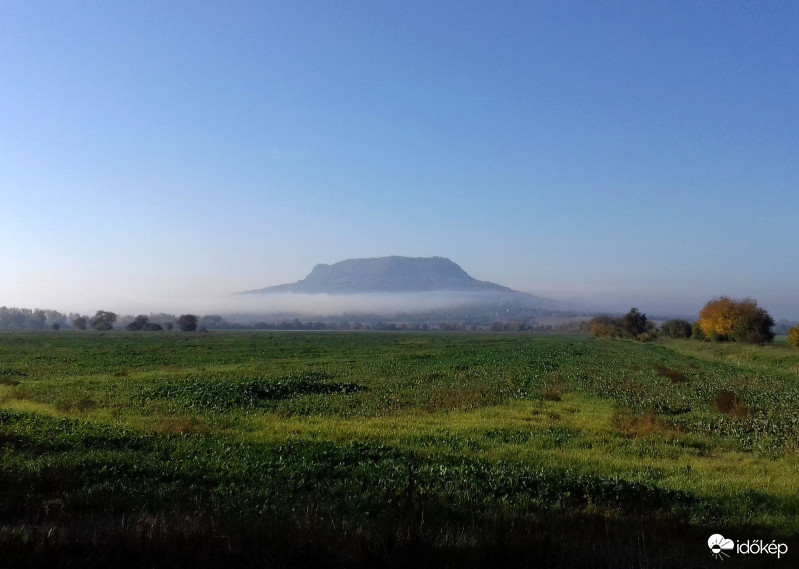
370, 449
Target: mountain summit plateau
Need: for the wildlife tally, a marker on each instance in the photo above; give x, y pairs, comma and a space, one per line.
387, 275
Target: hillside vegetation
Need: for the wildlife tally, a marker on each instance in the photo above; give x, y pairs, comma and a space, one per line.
363, 449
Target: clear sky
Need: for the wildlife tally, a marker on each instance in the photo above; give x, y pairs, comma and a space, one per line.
627, 153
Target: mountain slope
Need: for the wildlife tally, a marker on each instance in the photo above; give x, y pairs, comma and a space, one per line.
408, 285
387, 275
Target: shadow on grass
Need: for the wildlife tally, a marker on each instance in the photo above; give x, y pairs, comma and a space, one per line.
313, 540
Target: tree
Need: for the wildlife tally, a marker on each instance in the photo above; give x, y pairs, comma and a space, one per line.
754, 324
26, 318
103, 320
55, 318
717, 318
737, 320
138, 323
634, 323
187, 322
80, 322
36, 319
677, 328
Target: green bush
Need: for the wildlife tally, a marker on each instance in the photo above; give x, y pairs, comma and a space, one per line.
676, 328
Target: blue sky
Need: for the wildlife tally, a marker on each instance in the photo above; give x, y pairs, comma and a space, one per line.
156, 154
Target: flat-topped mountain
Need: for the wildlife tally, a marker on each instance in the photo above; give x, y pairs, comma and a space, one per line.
387, 275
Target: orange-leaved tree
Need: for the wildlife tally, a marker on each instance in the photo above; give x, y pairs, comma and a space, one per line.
739, 320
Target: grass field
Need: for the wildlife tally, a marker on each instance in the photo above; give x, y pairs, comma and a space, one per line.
373, 449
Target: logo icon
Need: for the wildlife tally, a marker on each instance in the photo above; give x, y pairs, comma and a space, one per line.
718, 544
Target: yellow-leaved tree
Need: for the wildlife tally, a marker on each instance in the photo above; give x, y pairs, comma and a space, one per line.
793, 336
717, 318
739, 320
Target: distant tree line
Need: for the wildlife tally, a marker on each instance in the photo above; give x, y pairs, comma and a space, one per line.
31, 319
38, 319
103, 320
142, 322
633, 325
782, 326
721, 319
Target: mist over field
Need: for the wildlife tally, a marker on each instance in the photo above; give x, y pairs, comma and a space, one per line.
319, 304
311, 305
339, 304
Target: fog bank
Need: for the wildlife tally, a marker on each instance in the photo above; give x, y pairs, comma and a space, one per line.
296, 304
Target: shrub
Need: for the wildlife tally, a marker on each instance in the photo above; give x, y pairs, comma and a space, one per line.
754, 328
604, 326
648, 336
696, 331
676, 328
604, 330
737, 320
793, 336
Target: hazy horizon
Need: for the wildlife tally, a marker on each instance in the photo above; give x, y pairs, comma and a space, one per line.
322, 304
160, 157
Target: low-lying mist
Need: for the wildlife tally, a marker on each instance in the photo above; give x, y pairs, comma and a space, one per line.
243, 307
313, 305
340, 304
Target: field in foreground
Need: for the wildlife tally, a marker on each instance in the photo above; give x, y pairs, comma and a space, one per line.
369, 449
